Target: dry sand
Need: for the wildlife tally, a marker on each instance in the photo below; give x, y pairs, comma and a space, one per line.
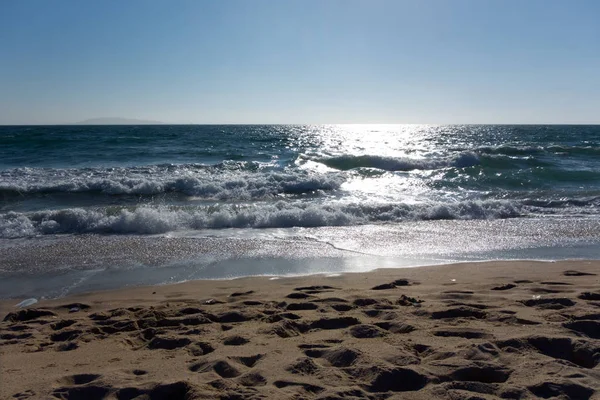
515, 330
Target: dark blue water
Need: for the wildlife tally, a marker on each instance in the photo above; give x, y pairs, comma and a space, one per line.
157, 179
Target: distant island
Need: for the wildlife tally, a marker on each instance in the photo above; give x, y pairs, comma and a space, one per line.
117, 121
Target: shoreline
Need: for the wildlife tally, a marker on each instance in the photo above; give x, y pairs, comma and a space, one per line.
9, 304
516, 329
5, 302
56, 266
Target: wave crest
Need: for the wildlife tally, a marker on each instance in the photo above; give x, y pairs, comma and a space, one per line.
153, 220
347, 162
223, 182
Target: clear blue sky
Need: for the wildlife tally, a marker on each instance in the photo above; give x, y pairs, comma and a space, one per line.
301, 61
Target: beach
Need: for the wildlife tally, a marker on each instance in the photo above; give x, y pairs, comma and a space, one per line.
499, 329
300, 262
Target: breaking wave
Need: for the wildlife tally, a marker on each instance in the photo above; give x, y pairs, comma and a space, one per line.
347, 162
154, 220
225, 181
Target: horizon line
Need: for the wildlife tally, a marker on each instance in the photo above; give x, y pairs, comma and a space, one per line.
308, 123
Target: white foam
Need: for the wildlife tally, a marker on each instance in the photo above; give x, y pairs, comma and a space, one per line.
192, 180
281, 214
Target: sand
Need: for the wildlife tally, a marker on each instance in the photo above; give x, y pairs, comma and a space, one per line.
513, 330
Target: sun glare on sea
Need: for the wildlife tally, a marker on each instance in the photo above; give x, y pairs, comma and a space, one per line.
375, 159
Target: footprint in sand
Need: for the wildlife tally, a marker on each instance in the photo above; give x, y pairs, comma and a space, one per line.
381, 314
168, 343
316, 289
303, 366
550, 303
342, 307
364, 331
28, 315
237, 294
62, 324
365, 302
481, 373
577, 273
298, 295
301, 306
334, 323
310, 388
15, 336
287, 329
395, 327
330, 300
200, 349
340, 357
221, 367
252, 303
234, 316
459, 312
397, 380
139, 372
464, 333
252, 379
580, 352
249, 361
65, 335
235, 341
170, 391
589, 296
393, 285
507, 286
79, 379
569, 390
589, 328
280, 317
82, 392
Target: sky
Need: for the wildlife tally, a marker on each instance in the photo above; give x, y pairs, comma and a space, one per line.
300, 61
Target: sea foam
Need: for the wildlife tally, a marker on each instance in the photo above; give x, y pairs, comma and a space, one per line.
215, 182
153, 220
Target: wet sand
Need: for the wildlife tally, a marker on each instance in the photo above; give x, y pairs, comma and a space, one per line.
516, 330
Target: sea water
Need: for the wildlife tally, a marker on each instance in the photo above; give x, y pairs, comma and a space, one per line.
95, 207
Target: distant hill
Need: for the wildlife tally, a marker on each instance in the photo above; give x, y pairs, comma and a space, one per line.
117, 121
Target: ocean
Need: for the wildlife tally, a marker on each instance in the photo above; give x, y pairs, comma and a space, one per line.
98, 207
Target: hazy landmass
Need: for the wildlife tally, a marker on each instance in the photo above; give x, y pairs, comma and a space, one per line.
117, 121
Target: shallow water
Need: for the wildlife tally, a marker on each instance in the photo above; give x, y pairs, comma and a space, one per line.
55, 266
